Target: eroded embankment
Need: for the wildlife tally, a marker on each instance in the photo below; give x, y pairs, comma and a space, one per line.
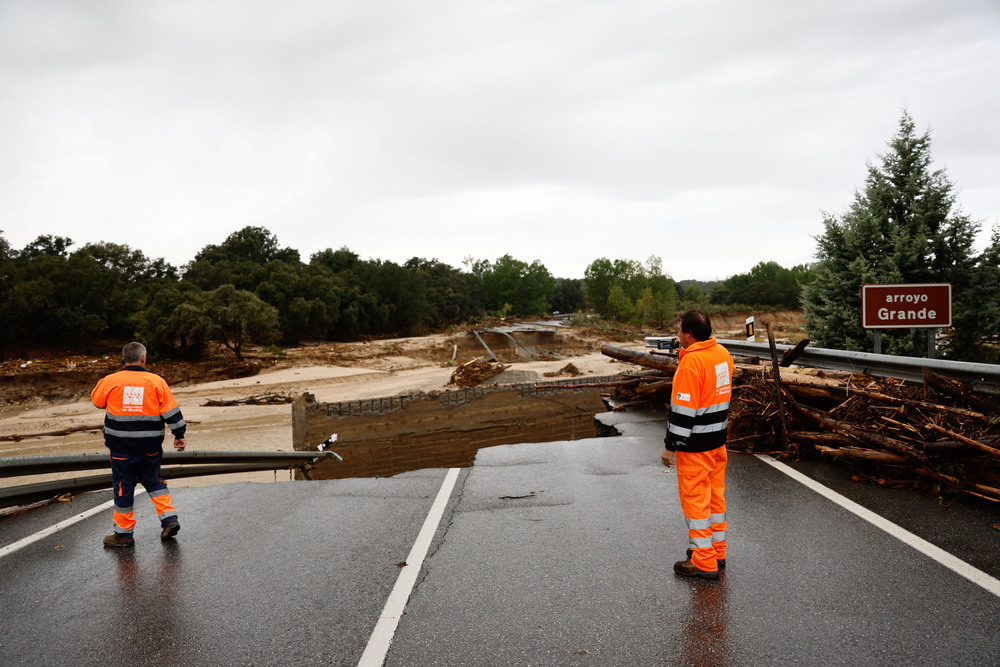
445, 429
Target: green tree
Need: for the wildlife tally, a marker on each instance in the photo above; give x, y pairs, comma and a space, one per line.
611, 283
453, 295
306, 299
240, 260
236, 317
663, 306
569, 296
903, 227
693, 294
619, 306
766, 285
7, 266
508, 283
55, 296
978, 328
599, 277
166, 318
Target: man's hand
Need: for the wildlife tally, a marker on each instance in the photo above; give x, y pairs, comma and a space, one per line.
667, 457
180, 444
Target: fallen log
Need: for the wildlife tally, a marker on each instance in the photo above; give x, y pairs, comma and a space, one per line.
830, 439
810, 389
789, 356
968, 441
653, 387
261, 399
987, 492
879, 441
14, 511
949, 446
17, 437
863, 454
646, 374
959, 391
641, 358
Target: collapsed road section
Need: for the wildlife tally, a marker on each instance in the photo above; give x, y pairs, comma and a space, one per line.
387, 436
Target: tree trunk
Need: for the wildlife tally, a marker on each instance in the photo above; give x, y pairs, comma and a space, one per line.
880, 441
642, 358
959, 391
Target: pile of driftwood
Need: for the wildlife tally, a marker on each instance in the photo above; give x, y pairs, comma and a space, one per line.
938, 435
474, 372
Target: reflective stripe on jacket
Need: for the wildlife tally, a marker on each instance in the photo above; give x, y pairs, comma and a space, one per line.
137, 403
699, 405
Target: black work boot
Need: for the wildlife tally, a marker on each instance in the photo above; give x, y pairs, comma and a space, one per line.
119, 540
170, 530
720, 561
688, 569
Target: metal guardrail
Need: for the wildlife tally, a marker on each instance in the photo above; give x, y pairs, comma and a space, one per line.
176, 465
986, 377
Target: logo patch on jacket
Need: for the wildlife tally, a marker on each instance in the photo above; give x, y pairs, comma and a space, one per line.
683, 397
132, 399
721, 375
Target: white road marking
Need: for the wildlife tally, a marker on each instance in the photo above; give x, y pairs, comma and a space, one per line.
31, 539
385, 629
954, 564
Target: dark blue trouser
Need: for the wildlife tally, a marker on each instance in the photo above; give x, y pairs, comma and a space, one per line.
126, 471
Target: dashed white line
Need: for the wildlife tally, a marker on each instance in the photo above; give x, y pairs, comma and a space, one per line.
385, 629
954, 564
31, 539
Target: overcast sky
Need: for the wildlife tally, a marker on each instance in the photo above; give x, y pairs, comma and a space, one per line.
713, 134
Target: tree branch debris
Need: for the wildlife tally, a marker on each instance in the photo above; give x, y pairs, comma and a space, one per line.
942, 436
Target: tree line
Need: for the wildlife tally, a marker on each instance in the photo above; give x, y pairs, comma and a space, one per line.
904, 226
251, 289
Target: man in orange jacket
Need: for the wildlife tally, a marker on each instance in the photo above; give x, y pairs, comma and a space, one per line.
696, 437
137, 404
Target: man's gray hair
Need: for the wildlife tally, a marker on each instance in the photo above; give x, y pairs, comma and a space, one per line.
133, 353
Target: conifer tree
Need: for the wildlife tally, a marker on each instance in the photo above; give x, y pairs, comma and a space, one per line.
903, 227
977, 321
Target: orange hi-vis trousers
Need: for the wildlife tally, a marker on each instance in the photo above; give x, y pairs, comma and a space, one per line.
701, 483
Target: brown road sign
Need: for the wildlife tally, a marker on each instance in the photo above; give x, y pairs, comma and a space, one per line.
907, 306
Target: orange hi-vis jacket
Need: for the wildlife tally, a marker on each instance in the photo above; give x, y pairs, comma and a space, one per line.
699, 406
137, 403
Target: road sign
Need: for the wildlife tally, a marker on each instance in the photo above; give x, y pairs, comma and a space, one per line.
907, 306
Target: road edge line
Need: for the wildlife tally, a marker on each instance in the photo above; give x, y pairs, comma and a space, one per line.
953, 563
51, 530
385, 628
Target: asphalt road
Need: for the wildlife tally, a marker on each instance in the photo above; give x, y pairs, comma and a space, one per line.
546, 554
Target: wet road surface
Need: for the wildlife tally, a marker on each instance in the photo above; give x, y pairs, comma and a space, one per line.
546, 554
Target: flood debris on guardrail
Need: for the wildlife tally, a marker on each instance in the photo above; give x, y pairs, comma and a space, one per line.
943, 434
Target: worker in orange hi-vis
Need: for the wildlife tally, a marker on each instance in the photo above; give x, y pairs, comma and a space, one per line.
696, 438
137, 405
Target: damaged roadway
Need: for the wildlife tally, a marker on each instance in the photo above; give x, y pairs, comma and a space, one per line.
555, 553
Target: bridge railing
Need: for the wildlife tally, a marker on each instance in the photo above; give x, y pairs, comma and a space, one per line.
175, 465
